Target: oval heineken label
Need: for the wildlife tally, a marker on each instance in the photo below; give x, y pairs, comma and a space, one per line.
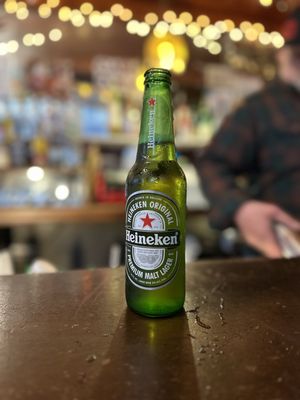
152, 239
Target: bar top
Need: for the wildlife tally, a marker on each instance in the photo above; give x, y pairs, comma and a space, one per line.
69, 336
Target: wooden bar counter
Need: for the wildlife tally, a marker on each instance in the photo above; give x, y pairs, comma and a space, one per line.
93, 213
69, 336
96, 213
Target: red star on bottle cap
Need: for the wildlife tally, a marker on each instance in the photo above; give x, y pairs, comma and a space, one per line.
151, 101
147, 221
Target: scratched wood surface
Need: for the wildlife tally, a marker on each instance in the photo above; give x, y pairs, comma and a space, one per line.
69, 336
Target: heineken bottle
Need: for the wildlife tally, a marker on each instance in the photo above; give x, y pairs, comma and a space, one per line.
155, 209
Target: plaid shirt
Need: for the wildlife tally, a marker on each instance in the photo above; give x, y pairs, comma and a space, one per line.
259, 141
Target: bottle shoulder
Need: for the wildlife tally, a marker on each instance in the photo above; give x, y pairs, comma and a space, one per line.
163, 167
163, 176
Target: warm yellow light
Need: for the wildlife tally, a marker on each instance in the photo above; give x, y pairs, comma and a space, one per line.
38, 39
169, 16
165, 63
179, 66
245, 25
106, 19
55, 35
22, 13
203, 21
95, 19
151, 18
236, 35
84, 89
266, 3
264, 38
143, 29
165, 49
186, 17
229, 24
163, 52
44, 11
278, 41
116, 9
64, 14
21, 4
77, 19
126, 15
12, 46
28, 39
132, 26
10, 6
139, 82
161, 29
53, 3
274, 34
75, 13
214, 48
211, 32
221, 26
78, 22
258, 27
3, 49
177, 27
200, 41
251, 34
193, 29
86, 8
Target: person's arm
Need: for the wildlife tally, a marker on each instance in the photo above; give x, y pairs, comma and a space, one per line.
255, 221
231, 153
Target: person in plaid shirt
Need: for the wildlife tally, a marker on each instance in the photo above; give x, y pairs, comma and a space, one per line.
260, 140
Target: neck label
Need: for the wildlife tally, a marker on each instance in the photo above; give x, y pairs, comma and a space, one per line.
152, 239
151, 122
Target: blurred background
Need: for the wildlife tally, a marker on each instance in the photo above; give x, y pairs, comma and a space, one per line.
70, 99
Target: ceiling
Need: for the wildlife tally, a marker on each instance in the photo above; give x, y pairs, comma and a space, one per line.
238, 10
81, 44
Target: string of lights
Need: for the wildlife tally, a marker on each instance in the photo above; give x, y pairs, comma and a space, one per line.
203, 33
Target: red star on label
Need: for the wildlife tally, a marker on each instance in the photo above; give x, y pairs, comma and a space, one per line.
151, 101
147, 221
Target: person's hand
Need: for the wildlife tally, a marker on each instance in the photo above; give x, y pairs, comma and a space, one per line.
254, 220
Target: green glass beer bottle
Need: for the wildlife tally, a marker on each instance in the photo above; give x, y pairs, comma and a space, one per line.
155, 209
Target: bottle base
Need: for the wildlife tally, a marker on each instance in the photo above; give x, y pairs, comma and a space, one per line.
155, 314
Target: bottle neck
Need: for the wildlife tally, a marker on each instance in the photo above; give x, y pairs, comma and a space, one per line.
156, 139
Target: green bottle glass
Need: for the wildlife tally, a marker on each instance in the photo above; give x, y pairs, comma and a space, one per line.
155, 209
